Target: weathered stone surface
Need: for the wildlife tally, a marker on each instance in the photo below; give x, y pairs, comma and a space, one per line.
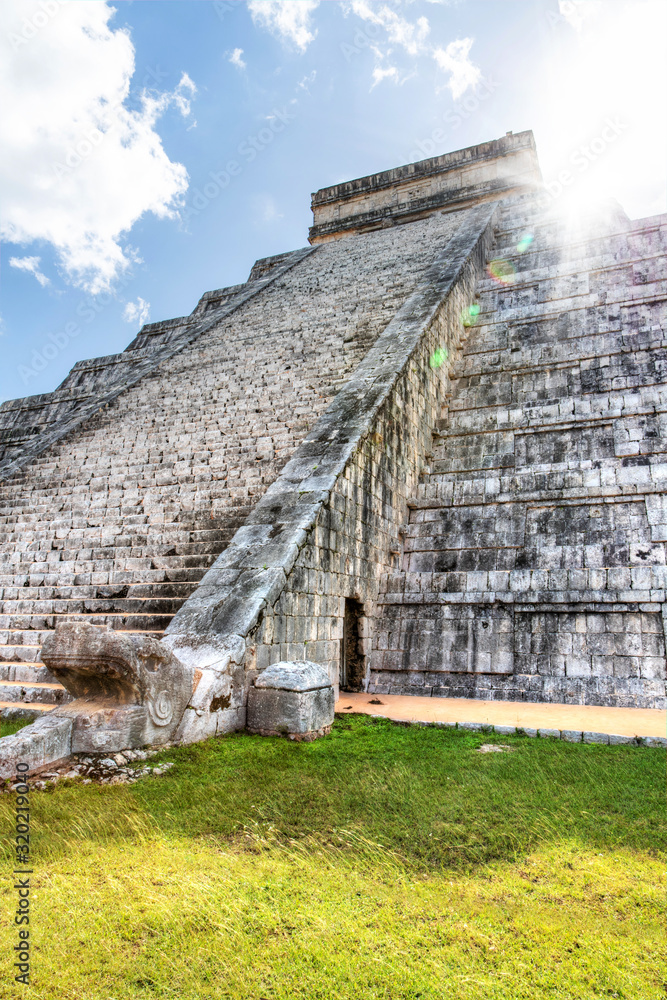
118, 522
596, 738
292, 699
128, 692
46, 740
133, 683
654, 741
99, 665
296, 676
93, 384
532, 562
492, 170
106, 728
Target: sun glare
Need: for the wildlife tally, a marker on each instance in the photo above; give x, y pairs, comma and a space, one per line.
604, 132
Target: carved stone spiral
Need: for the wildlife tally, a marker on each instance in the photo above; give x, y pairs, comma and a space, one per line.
161, 708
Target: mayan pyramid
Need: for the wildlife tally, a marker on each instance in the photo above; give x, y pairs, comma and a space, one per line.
425, 452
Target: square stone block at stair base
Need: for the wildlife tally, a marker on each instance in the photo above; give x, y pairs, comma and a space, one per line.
108, 729
45, 741
294, 699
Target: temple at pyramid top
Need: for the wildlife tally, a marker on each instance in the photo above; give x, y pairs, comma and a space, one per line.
449, 183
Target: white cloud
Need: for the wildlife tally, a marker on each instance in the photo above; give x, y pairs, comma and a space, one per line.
137, 312
289, 20
411, 36
79, 168
31, 265
462, 72
236, 59
305, 82
386, 73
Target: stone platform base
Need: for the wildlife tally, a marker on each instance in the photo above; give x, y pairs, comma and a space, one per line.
573, 723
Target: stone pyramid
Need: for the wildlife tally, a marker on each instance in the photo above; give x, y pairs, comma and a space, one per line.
425, 452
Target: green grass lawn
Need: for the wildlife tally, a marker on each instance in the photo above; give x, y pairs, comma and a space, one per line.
10, 726
385, 861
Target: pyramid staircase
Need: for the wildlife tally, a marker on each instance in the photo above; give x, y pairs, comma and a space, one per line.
62, 586
165, 552
540, 509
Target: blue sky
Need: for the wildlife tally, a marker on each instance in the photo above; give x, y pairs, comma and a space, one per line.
153, 150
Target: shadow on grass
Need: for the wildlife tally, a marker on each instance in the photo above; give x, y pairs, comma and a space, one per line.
422, 792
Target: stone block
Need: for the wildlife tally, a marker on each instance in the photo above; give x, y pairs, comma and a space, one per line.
654, 741
291, 698
131, 685
47, 740
596, 737
107, 729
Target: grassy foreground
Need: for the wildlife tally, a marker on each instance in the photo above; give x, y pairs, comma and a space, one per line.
385, 861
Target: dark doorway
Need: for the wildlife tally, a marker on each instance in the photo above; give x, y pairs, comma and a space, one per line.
352, 666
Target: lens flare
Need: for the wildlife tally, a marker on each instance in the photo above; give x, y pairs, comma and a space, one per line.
502, 271
470, 314
525, 242
438, 357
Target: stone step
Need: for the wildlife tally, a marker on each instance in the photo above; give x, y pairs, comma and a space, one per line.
602, 351
128, 603
124, 606
57, 506
133, 561
117, 621
557, 231
473, 415
513, 304
28, 537
14, 650
537, 596
24, 644
570, 273
41, 692
602, 250
166, 589
74, 573
506, 463
11, 709
458, 490
24, 671
583, 362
